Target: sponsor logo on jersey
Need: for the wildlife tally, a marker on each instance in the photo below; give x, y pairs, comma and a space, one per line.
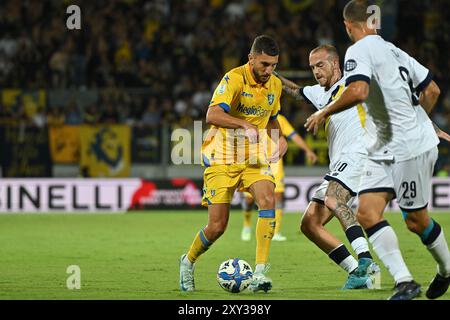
245, 94
253, 110
221, 88
350, 65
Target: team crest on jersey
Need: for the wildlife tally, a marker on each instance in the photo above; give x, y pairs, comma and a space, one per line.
271, 98
221, 88
350, 65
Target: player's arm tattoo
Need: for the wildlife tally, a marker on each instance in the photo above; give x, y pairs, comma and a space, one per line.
293, 92
290, 87
340, 209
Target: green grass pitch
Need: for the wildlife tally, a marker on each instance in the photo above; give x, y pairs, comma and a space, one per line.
135, 256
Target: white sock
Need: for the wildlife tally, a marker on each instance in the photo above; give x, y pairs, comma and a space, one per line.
259, 268
186, 261
355, 236
440, 253
349, 264
385, 244
360, 245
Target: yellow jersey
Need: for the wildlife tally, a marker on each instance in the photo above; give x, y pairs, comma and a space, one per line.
242, 97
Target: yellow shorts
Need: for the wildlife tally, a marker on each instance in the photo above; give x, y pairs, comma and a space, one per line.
278, 173
221, 181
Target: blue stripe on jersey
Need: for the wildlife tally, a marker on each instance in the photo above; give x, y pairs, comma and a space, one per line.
275, 116
206, 161
293, 133
224, 106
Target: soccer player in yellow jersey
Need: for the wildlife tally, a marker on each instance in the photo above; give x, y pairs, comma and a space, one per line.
243, 108
278, 171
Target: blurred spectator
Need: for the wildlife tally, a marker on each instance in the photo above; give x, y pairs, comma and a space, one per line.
168, 116
177, 51
109, 115
73, 115
201, 97
6, 114
58, 66
151, 116
40, 118
55, 117
91, 115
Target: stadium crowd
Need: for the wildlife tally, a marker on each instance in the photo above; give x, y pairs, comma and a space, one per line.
178, 50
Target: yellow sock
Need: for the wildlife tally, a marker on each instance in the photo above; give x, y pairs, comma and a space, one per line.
278, 215
198, 247
248, 218
264, 232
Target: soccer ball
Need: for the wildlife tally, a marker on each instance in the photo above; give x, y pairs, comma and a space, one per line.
234, 275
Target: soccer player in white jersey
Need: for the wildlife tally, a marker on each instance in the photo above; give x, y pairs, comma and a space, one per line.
402, 149
347, 157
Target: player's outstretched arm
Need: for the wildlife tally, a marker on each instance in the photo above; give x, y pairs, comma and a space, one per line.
355, 93
429, 96
290, 87
441, 133
218, 117
298, 140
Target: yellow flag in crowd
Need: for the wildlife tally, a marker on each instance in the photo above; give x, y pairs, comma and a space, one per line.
105, 151
65, 144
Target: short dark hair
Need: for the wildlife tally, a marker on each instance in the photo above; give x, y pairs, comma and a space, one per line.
266, 44
330, 49
356, 10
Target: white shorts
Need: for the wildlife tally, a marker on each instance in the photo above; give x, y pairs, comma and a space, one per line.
409, 181
347, 172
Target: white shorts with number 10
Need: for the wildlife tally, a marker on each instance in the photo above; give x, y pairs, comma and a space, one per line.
347, 172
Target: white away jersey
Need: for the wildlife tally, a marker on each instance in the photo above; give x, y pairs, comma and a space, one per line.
344, 129
395, 130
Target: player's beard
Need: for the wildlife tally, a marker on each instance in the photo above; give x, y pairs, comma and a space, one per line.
260, 78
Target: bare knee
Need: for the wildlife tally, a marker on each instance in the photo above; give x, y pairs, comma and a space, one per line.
367, 216
417, 222
365, 219
266, 201
412, 226
371, 207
